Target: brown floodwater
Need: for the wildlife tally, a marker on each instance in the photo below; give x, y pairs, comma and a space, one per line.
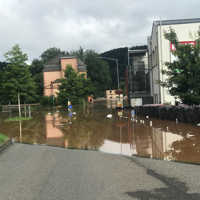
89, 129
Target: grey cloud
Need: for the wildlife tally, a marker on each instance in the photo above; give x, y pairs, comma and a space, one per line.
99, 24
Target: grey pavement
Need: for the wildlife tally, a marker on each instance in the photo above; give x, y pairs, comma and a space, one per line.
33, 172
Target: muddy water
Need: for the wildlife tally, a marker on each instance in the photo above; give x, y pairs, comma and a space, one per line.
89, 129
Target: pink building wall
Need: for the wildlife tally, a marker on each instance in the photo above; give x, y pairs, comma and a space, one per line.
48, 78
51, 76
68, 61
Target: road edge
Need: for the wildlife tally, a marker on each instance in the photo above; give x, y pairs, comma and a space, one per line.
5, 145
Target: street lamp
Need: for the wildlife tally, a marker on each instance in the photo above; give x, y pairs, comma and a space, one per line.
117, 65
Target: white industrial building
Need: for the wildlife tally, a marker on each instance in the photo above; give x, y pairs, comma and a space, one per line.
160, 52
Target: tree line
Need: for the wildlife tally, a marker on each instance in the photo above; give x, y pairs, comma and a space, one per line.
16, 76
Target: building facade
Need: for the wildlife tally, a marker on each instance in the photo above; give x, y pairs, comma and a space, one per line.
160, 52
138, 76
55, 70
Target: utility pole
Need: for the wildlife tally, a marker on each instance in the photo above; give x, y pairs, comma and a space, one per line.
117, 72
19, 106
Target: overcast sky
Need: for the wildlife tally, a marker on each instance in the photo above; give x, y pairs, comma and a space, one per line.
100, 25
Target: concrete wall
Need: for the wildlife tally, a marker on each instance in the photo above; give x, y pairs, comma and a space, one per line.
154, 65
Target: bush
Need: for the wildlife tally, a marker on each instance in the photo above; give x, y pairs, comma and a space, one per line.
3, 138
48, 101
74, 87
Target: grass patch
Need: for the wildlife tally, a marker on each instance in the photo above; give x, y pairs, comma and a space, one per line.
15, 119
3, 138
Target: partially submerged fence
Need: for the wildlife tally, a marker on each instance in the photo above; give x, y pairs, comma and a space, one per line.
26, 108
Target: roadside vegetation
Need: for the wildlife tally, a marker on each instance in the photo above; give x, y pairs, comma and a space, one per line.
15, 78
3, 138
184, 72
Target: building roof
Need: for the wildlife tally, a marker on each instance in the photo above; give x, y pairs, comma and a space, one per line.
53, 61
51, 68
136, 50
67, 57
56, 59
54, 64
176, 21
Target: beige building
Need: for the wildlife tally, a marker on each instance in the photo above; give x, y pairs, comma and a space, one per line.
55, 69
160, 52
111, 94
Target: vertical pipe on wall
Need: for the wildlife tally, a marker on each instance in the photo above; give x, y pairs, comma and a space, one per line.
161, 63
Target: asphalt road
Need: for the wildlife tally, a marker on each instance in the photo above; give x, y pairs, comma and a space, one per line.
31, 172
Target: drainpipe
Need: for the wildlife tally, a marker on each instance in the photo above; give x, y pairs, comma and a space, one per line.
161, 62
19, 105
150, 68
158, 66
129, 81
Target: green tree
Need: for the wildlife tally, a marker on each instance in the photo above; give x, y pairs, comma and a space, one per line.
49, 56
79, 54
3, 68
183, 74
51, 53
73, 87
16, 78
36, 70
98, 72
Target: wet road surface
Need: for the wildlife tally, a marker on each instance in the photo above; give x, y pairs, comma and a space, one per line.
29, 172
88, 129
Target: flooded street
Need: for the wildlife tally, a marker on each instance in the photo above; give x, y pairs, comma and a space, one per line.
88, 128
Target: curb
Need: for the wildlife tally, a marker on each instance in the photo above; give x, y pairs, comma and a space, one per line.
5, 145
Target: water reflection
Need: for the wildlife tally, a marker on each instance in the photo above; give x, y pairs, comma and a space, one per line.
88, 128
54, 135
174, 144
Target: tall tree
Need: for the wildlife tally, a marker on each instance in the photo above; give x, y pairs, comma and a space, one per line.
49, 56
36, 70
16, 78
79, 54
183, 74
98, 72
74, 87
51, 53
